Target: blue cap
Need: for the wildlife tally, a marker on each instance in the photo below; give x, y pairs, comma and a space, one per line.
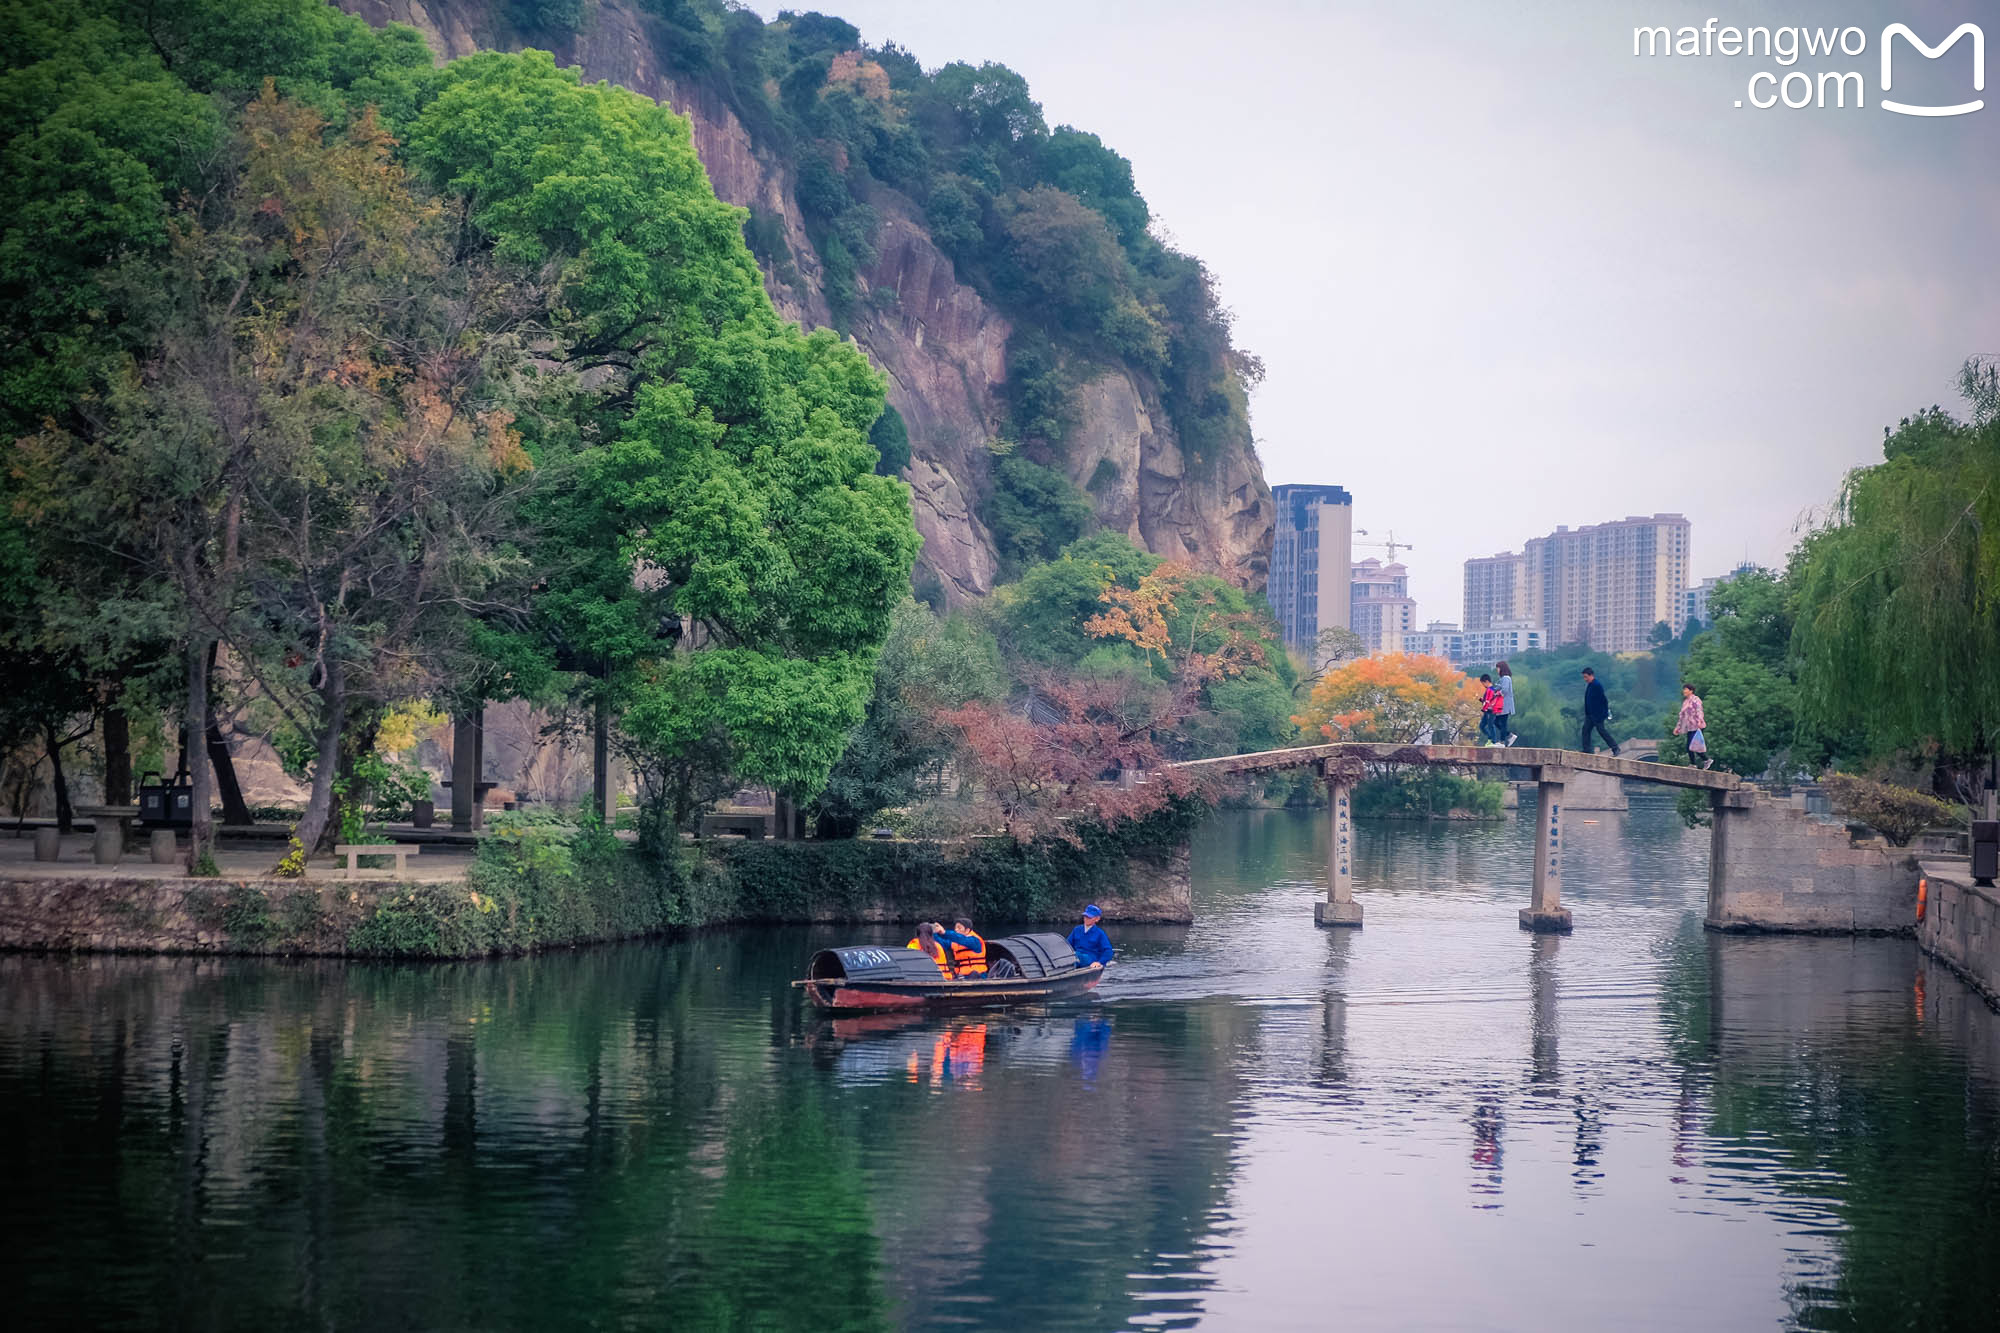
1093, 910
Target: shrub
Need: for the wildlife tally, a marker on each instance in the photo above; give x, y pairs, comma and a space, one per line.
891, 438
1897, 813
1426, 792
1034, 511
1692, 805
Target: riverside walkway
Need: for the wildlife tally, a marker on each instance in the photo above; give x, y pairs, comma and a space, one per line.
1342, 764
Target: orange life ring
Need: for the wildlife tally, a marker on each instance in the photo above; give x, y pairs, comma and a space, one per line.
1923, 897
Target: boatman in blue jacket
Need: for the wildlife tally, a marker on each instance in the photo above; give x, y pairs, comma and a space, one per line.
1092, 945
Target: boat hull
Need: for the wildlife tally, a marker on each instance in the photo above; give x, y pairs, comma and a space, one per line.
850, 996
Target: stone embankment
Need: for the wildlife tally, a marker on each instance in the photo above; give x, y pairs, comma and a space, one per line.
1961, 926
1773, 866
518, 901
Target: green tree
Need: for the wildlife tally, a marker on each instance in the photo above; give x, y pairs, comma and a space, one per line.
891, 439
308, 456
1539, 720
1041, 618
1898, 592
725, 560
1743, 669
927, 666
1034, 511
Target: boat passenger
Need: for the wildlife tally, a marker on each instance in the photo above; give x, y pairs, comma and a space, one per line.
969, 959
941, 944
1092, 945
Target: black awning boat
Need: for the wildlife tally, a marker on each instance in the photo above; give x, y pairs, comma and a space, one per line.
863, 977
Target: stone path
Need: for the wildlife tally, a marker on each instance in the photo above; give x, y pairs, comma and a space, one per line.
17, 861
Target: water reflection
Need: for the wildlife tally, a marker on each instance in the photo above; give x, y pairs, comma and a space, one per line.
1435, 1121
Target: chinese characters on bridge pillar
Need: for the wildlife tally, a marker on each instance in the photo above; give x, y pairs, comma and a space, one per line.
1339, 909
1554, 850
1343, 874
1545, 911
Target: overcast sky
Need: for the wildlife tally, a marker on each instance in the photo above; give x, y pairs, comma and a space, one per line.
1505, 275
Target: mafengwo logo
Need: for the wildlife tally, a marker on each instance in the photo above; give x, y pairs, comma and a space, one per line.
1899, 45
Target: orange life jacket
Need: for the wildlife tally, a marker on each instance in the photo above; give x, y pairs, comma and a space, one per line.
944, 964
971, 962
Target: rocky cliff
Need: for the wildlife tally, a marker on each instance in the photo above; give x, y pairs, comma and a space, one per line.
942, 346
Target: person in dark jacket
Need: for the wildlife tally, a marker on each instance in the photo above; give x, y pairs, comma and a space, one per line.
1596, 710
1092, 945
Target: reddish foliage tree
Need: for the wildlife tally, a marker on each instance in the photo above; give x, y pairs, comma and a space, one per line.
1040, 770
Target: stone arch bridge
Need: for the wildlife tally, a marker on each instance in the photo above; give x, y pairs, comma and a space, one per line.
1771, 867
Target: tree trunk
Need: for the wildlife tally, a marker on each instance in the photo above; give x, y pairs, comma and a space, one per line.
65, 815
201, 831
117, 757
234, 811
317, 824
603, 801
356, 739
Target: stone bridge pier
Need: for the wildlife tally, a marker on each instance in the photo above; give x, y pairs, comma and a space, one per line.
1544, 914
1339, 909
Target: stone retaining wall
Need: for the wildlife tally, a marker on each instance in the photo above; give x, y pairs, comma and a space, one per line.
1775, 867
129, 914
115, 913
1961, 926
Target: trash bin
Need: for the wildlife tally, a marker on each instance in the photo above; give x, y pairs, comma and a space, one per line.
1985, 851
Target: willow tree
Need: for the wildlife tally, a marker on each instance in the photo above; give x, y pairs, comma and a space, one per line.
1898, 613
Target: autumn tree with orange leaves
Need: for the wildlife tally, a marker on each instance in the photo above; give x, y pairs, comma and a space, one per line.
1400, 698
1178, 620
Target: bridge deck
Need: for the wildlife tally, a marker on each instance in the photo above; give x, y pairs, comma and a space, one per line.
1470, 756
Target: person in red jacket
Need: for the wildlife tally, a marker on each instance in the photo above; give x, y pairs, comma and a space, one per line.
1489, 712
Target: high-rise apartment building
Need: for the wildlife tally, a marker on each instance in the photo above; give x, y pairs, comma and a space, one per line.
1381, 610
1609, 584
1496, 590
1311, 560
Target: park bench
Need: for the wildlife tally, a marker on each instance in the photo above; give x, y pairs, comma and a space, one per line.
354, 851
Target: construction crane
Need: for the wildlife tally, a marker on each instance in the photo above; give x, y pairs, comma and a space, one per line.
1392, 544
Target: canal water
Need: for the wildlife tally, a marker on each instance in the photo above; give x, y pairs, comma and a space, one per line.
1437, 1122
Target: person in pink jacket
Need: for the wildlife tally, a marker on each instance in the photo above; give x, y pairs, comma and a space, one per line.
1691, 725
